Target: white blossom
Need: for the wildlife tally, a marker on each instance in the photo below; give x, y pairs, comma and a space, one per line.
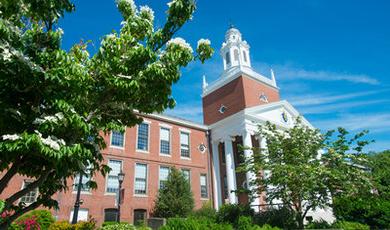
57, 117
204, 41
12, 137
6, 54
181, 42
111, 36
128, 3
60, 30
52, 142
147, 10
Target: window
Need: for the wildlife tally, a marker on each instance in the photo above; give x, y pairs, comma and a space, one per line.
225, 187
185, 144
84, 185
140, 178
203, 186
163, 176
223, 153
110, 214
139, 216
227, 57
235, 55
31, 196
81, 216
143, 137
244, 54
117, 139
187, 174
165, 141
112, 180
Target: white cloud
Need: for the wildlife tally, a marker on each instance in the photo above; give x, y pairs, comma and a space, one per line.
331, 108
289, 72
189, 111
375, 123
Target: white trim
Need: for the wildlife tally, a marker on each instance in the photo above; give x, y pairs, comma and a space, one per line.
189, 145
146, 121
108, 162
235, 72
175, 120
159, 167
163, 125
146, 182
124, 140
170, 141
136, 139
184, 130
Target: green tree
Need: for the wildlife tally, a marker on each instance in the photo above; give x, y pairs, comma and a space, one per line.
54, 103
301, 178
175, 199
369, 207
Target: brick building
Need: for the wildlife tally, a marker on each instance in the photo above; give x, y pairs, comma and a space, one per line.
207, 153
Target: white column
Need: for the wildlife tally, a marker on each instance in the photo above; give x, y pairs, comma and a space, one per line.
250, 176
217, 176
230, 171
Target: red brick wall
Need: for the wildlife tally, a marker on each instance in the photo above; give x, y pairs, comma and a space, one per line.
97, 200
236, 95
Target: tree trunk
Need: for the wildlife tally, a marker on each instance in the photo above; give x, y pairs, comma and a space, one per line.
8, 176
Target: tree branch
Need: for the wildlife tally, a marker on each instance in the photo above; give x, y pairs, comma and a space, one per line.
10, 173
10, 219
26, 190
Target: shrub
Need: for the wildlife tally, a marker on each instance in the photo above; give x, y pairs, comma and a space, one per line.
175, 199
346, 225
36, 219
268, 227
322, 224
230, 213
281, 218
206, 211
85, 225
120, 226
61, 225
194, 224
245, 223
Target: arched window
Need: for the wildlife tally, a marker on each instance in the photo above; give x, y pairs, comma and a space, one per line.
227, 58
244, 54
235, 55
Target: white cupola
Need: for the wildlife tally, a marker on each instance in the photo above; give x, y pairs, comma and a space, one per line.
234, 51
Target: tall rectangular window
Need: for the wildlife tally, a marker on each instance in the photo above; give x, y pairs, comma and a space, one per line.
143, 137
140, 178
203, 186
82, 215
225, 187
185, 144
165, 145
84, 186
187, 174
163, 176
112, 179
117, 139
31, 196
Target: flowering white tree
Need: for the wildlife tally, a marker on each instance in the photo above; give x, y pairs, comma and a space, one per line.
53, 103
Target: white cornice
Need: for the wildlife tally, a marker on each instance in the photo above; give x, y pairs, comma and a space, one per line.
177, 121
232, 74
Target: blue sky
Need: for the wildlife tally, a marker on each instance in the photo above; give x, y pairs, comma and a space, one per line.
331, 58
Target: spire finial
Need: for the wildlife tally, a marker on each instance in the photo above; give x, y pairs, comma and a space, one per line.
273, 77
204, 85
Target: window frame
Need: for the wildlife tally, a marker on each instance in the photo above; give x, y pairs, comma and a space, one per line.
76, 181
36, 190
159, 179
169, 128
206, 186
116, 146
146, 180
189, 144
189, 174
108, 174
148, 139
78, 216
110, 209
